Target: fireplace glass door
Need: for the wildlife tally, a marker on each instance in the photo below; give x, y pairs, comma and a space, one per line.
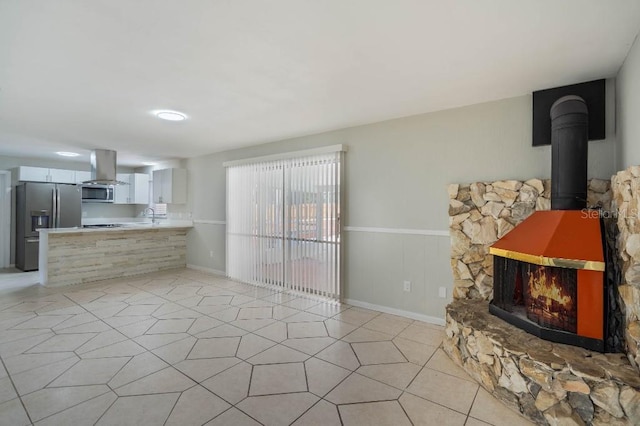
544, 295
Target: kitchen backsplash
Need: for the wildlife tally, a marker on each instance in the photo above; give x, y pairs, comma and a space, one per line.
174, 211
90, 210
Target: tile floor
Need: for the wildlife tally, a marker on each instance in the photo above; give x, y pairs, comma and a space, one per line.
188, 348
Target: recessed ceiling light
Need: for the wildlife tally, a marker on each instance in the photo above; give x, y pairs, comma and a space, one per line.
148, 163
67, 154
170, 115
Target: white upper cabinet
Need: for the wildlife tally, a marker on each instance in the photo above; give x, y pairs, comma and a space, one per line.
137, 190
170, 186
33, 174
62, 176
140, 190
122, 193
43, 174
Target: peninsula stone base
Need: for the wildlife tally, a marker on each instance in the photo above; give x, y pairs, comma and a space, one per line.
79, 257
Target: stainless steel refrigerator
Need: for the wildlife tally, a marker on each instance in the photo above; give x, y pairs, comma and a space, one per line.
43, 205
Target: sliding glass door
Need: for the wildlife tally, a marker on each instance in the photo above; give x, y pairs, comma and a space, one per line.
283, 223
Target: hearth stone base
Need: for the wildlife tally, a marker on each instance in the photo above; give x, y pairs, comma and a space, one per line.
548, 383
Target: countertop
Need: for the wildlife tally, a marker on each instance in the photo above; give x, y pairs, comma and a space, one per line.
130, 226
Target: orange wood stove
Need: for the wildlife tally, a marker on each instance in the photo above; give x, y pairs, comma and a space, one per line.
549, 277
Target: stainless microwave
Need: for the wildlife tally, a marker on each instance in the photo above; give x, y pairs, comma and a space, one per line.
97, 194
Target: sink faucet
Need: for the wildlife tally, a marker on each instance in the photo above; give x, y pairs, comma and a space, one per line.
153, 215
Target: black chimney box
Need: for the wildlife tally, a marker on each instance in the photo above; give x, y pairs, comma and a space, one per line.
593, 92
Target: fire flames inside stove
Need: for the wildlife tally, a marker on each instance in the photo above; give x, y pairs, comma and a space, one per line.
550, 296
542, 300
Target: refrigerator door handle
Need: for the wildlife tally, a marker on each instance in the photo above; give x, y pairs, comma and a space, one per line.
57, 207
54, 202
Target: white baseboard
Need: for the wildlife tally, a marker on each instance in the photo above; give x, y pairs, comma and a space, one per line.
413, 315
210, 270
393, 311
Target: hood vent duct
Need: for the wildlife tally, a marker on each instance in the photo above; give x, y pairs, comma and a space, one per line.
103, 168
569, 153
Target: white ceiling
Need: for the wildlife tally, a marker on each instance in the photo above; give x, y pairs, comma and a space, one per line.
78, 75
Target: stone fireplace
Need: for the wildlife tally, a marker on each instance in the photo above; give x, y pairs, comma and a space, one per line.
547, 382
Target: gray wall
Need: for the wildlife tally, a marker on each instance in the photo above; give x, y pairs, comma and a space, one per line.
628, 107
396, 177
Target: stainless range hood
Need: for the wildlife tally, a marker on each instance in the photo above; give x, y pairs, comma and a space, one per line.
103, 168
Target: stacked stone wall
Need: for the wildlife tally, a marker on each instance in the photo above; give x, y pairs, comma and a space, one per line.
483, 212
626, 202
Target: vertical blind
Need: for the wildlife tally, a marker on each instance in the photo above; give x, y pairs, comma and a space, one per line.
283, 223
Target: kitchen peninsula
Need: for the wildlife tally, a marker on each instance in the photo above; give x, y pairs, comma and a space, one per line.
79, 255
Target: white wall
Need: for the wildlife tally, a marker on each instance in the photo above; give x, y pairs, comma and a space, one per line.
628, 109
396, 177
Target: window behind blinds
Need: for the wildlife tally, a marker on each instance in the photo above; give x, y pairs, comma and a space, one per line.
283, 223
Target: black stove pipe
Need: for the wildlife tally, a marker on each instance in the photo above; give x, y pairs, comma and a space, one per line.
569, 153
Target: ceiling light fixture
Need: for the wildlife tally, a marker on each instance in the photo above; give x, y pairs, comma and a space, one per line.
67, 154
148, 163
170, 115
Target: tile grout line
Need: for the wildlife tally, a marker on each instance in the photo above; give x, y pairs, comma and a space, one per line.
471, 405
108, 408
281, 320
175, 404
403, 409
22, 404
80, 403
55, 378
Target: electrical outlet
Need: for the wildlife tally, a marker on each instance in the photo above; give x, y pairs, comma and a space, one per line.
407, 286
442, 292
211, 254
